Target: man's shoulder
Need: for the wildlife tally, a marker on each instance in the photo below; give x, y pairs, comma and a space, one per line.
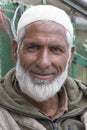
74, 86
9, 73
7, 77
77, 93
6, 89
75, 83
7, 122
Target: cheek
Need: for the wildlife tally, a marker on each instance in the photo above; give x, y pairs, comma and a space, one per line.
60, 62
27, 60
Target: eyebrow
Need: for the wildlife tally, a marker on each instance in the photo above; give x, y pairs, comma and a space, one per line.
41, 45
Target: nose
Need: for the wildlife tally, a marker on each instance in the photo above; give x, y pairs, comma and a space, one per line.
43, 60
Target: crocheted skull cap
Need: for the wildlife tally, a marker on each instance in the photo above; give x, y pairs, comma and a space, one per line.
45, 12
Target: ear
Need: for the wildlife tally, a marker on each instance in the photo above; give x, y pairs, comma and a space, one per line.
72, 53
14, 50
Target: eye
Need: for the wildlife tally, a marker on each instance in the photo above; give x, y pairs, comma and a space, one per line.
56, 49
33, 47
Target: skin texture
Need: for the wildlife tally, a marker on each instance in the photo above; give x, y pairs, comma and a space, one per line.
44, 50
44, 53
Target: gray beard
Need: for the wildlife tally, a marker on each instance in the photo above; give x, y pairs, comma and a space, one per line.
37, 89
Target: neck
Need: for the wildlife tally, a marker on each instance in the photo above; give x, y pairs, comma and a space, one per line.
48, 107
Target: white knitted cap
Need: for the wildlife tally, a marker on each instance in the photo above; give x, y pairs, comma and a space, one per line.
45, 12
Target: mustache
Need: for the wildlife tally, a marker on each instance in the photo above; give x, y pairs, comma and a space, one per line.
46, 71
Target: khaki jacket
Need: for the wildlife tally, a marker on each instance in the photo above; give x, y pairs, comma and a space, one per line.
18, 114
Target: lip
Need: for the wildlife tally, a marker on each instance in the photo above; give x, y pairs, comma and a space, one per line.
42, 76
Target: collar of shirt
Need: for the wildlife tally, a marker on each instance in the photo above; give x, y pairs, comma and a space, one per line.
63, 103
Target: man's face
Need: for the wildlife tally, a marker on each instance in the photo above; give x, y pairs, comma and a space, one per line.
43, 57
44, 50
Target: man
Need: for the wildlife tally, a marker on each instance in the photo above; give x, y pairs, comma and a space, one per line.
38, 94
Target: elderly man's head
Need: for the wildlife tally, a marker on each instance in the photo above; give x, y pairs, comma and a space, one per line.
43, 51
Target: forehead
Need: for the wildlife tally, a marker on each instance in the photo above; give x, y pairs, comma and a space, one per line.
45, 30
47, 27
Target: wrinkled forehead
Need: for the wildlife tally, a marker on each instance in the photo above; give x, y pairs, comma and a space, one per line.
45, 26
45, 32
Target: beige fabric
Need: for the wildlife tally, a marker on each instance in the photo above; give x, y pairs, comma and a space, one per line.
10, 122
28, 122
6, 121
84, 119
